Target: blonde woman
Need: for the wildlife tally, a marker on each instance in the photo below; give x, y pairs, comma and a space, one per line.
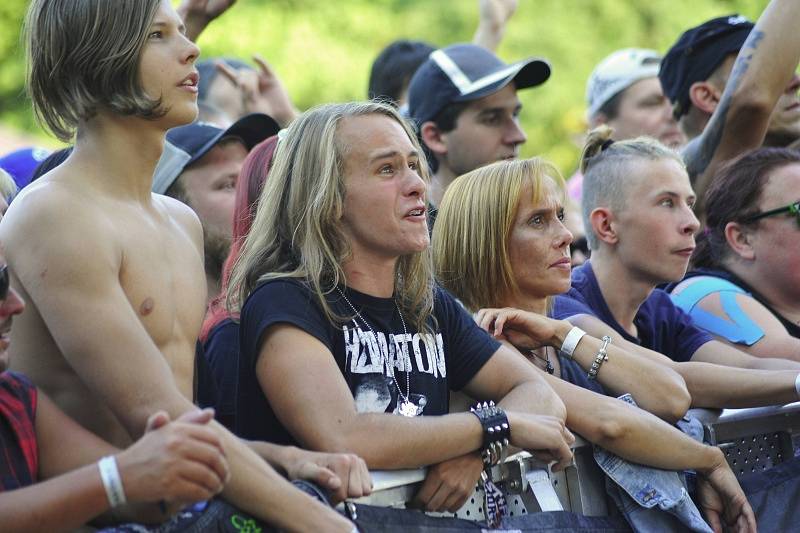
499, 241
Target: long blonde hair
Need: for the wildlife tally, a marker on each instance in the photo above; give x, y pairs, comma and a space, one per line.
476, 216
297, 230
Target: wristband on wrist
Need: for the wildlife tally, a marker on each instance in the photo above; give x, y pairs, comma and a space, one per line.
112, 482
496, 432
599, 359
571, 341
797, 385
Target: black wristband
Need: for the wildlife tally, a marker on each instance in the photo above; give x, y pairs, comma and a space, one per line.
496, 430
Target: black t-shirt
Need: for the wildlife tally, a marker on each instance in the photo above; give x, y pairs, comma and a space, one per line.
445, 360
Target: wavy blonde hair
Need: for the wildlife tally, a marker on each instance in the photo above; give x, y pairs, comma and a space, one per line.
297, 230
476, 216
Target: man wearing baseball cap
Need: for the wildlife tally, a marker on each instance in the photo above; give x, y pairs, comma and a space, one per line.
464, 100
200, 167
623, 91
733, 87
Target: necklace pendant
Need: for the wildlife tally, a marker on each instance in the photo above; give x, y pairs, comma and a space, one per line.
408, 409
549, 368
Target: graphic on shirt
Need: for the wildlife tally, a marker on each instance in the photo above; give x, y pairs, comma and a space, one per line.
368, 360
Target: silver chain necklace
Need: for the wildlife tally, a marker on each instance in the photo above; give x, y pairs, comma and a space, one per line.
406, 407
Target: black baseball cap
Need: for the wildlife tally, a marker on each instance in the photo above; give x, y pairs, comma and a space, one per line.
698, 52
186, 144
465, 72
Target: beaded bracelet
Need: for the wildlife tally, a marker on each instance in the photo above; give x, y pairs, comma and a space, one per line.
496, 432
599, 359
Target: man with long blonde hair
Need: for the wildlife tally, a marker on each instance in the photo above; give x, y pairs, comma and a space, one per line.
342, 325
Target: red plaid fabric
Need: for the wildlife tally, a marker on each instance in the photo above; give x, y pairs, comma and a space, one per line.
19, 453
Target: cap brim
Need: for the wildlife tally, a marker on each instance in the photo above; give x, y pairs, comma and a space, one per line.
251, 129
527, 73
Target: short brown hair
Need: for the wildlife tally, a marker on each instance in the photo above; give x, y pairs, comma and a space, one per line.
83, 55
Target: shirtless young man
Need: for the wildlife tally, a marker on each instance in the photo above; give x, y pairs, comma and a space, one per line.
113, 273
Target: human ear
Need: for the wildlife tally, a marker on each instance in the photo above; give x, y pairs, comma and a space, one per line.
704, 96
433, 138
740, 241
603, 225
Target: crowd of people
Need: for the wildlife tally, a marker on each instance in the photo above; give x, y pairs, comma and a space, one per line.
226, 310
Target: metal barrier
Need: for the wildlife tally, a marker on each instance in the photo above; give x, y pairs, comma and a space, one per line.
528, 484
753, 439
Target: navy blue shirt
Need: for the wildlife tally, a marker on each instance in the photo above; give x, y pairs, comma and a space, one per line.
368, 349
221, 352
572, 372
661, 326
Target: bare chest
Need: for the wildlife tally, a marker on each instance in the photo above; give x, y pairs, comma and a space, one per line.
162, 276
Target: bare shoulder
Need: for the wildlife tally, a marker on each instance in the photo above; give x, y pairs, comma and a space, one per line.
182, 215
54, 215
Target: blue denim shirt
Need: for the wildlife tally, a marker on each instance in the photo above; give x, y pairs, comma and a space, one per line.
651, 499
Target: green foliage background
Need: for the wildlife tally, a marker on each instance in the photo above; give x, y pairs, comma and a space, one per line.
323, 49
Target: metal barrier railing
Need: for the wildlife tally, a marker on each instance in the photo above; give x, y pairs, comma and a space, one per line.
752, 439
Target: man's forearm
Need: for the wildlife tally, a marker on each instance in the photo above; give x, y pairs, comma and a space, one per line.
62, 503
257, 489
716, 386
535, 399
387, 441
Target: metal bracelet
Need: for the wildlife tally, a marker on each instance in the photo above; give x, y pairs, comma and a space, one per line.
496, 432
599, 359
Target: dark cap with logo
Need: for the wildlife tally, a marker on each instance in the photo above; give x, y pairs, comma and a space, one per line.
187, 144
697, 54
464, 72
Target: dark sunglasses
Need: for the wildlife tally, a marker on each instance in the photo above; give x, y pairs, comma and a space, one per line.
4, 282
791, 208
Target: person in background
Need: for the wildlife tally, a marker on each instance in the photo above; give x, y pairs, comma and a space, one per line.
744, 284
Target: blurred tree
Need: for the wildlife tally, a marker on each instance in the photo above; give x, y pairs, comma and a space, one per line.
323, 50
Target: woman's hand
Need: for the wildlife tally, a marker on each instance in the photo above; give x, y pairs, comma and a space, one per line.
523, 329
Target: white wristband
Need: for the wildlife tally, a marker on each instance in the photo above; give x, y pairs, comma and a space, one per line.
797, 386
112, 482
571, 341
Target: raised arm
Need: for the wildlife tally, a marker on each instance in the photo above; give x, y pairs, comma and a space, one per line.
718, 379
296, 371
658, 390
198, 14
72, 280
761, 73
494, 16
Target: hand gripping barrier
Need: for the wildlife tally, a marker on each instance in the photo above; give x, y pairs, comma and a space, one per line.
528, 484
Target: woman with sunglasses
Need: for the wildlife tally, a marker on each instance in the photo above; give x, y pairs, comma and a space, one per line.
745, 284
